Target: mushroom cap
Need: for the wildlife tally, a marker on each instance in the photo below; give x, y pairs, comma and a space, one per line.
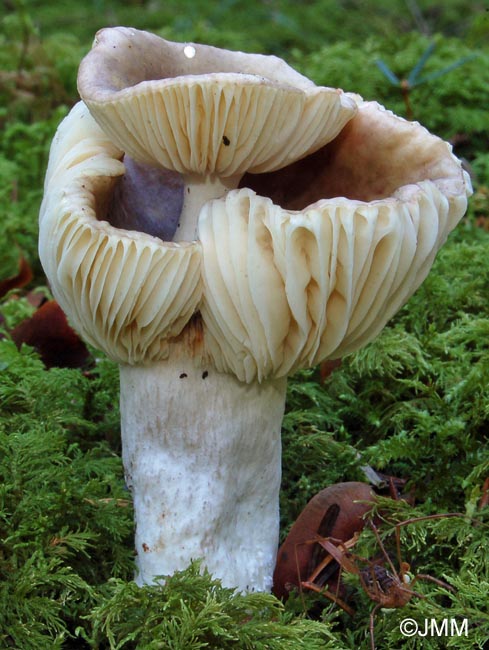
288, 288
278, 286
200, 109
126, 292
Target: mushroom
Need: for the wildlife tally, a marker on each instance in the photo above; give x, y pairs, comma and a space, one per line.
207, 325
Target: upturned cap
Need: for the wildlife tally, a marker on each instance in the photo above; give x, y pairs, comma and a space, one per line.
125, 291
298, 265
310, 262
201, 109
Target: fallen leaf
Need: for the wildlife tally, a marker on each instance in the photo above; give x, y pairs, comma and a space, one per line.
50, 334
327, 367
23, 277
338, 512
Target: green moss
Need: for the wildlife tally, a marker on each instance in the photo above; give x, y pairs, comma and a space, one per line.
193, 611
451, 104
24, 150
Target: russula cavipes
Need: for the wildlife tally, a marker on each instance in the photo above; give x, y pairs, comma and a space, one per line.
207, 327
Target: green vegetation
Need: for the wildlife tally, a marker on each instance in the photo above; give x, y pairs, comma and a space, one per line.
414, 404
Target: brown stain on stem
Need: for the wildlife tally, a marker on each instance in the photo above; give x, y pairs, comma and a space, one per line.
190, 342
